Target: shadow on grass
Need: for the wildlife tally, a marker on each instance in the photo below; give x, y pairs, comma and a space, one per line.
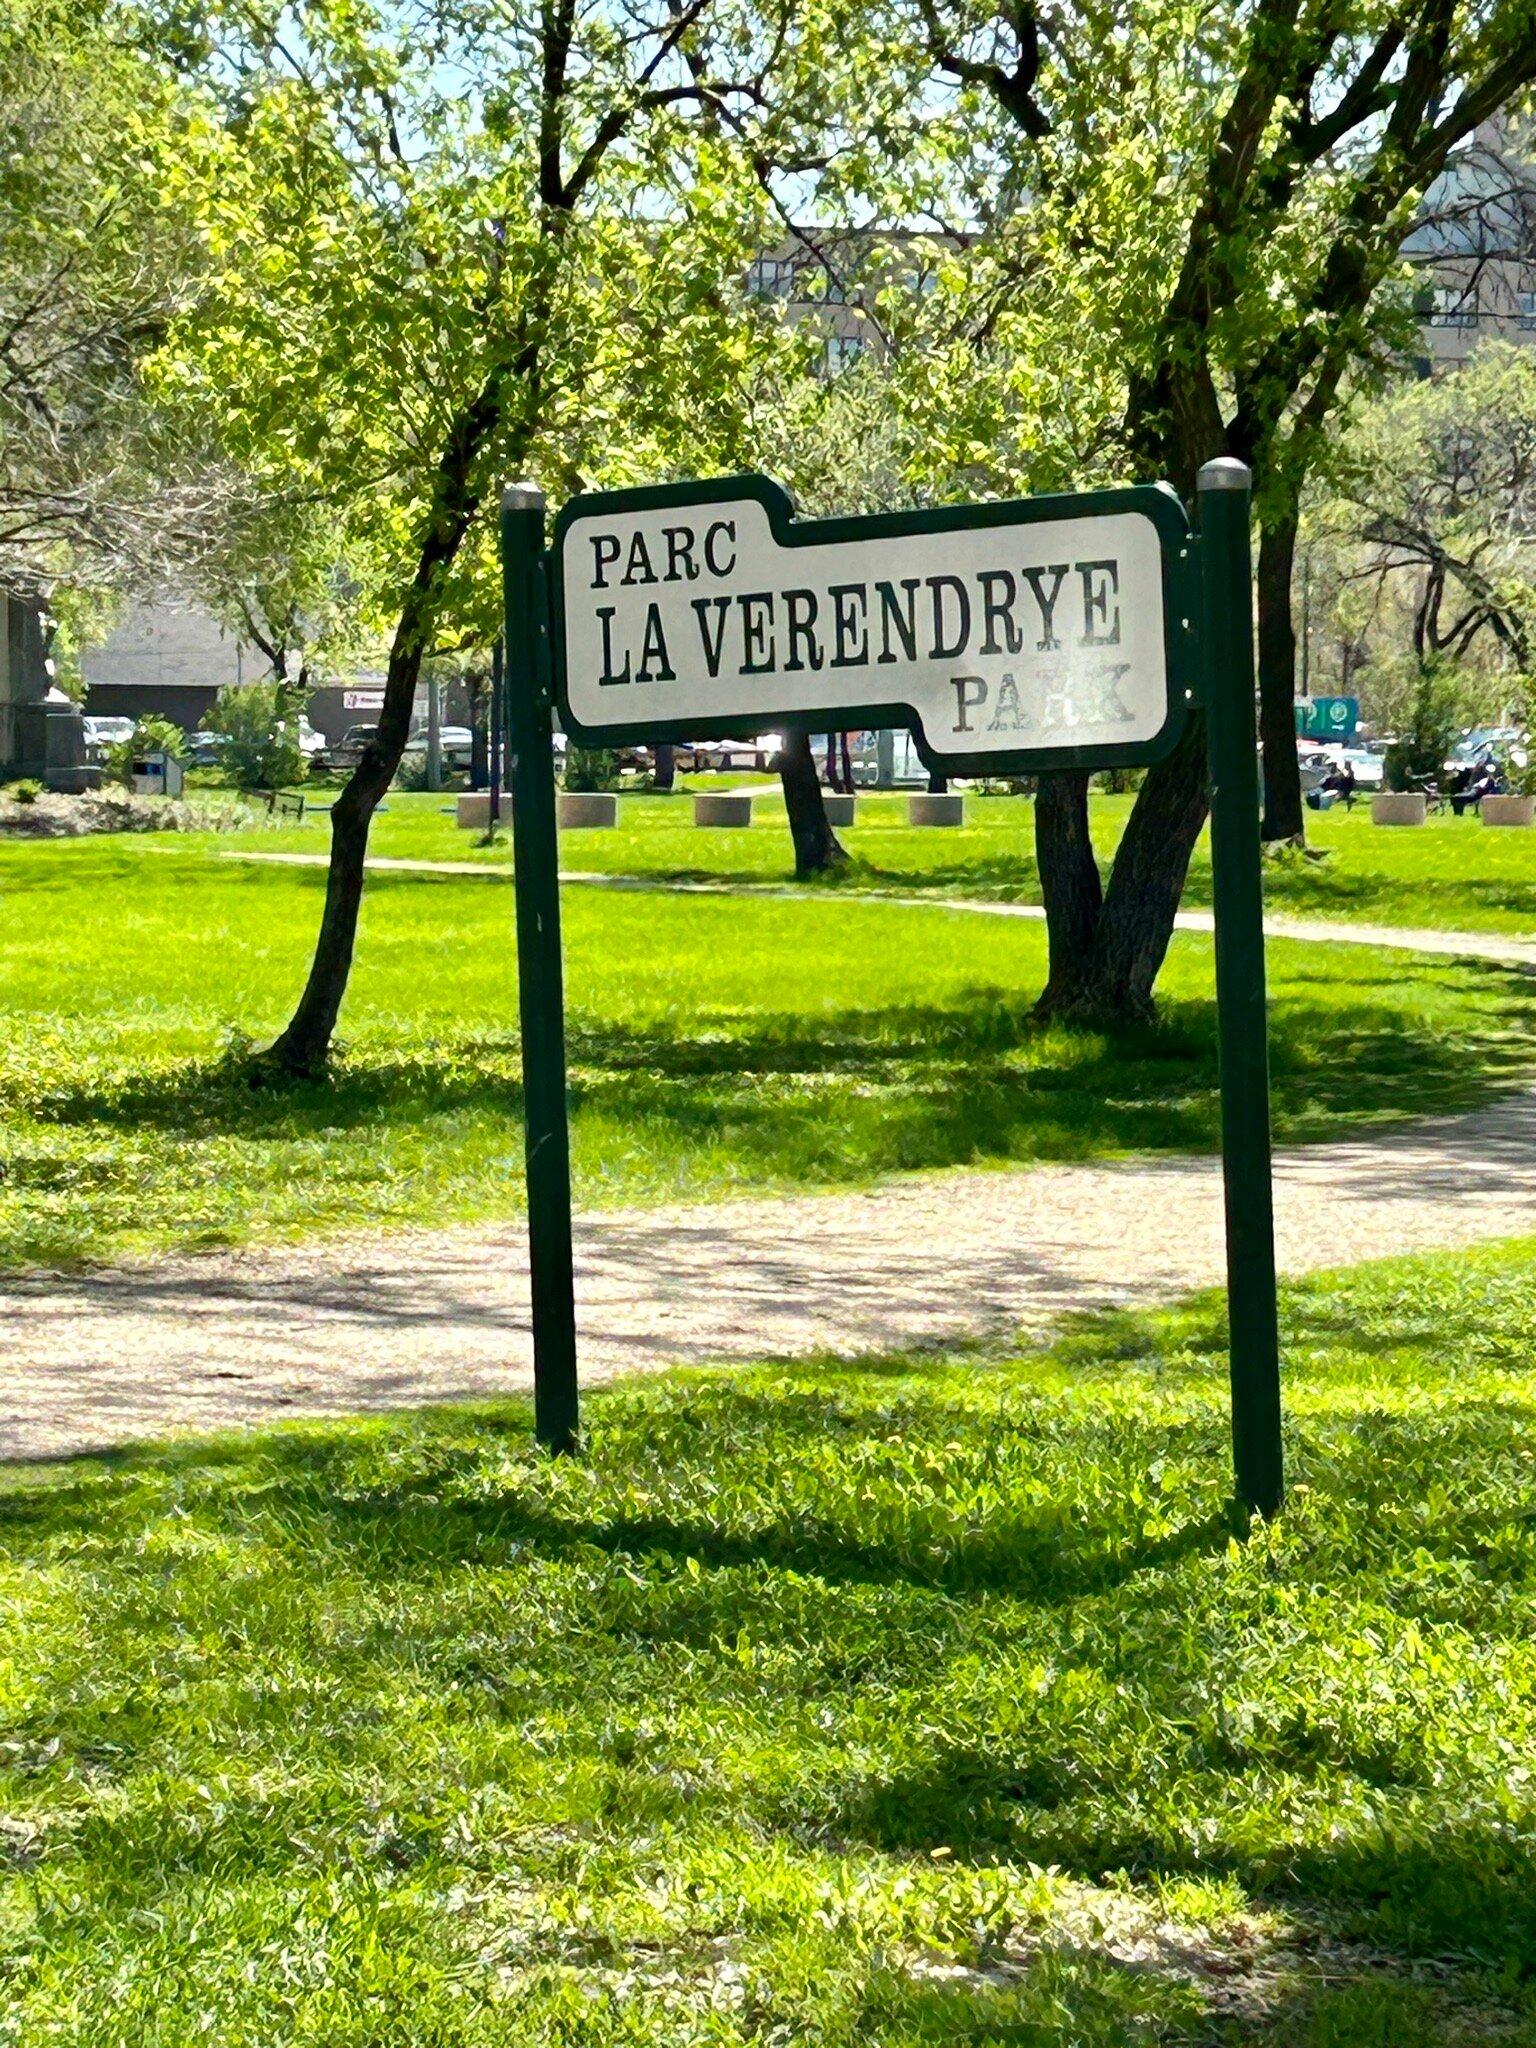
921, 1086
1114, 1736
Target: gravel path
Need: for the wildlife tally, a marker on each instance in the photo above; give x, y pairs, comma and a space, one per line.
1511, 952
386, 1320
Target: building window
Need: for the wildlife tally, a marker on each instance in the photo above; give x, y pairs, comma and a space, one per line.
1526, 308
771, 277
841, 350
1453, 305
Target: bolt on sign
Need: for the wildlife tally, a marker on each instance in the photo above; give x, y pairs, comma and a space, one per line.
1081, 631
1057, 629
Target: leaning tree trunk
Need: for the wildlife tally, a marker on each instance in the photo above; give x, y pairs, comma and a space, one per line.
816, 845
304, 1047
1284, 815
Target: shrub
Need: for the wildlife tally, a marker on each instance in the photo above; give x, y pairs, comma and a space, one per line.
411, 775
150, 735
259, 723
27, 791
591, 768
1418, 755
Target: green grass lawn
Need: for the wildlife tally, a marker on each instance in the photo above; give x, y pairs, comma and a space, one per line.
1454, 873
718, 1045
913, 1701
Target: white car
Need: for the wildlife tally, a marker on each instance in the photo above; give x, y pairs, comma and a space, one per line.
101, 734
456, 742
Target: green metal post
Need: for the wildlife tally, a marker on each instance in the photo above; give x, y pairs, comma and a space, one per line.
496, 746
536, 877
1226, 580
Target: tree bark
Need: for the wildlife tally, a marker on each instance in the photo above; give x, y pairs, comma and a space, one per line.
1069, 880
817, 847
1147, 878
666, 766
1110, 979
303, 1047
1284, 815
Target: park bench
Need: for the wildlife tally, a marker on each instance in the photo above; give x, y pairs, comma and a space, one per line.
288, 803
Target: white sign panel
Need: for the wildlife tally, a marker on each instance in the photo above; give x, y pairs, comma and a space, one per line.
1011, 633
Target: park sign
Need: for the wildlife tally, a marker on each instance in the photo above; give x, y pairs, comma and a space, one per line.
1063, 632
1049, 632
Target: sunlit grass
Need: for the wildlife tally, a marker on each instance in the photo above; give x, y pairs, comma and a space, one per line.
718, 1045
1453, 873
802, 1707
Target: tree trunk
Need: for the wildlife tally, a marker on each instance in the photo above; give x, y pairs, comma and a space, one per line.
1147, 879
1284, 816
816, 844
1111, 979
1069, 879
666, 766
304, 1046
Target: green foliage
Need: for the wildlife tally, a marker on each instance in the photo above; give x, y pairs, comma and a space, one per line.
1422, 533
100, 240
1430, 730
591, 768
375, 303
259, 723
151, 735
871, 1704
26, 791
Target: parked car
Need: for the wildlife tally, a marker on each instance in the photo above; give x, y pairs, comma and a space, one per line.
702, 757
348, 750
1485, 743
457, 743
1368, 758
102, 734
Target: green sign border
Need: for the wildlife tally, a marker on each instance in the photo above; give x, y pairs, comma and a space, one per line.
1156, 502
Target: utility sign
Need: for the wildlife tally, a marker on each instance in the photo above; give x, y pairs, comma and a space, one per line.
1050, 632
1328, 718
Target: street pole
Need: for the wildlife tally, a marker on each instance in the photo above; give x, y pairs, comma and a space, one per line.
1226, 578
496, 724
434, 733
536, 879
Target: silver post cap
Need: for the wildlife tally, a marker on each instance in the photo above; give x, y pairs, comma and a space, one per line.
1225, 473
521, 498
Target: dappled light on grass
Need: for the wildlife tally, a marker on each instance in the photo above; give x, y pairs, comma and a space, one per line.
768, 1717
1453, 873
718, 1046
